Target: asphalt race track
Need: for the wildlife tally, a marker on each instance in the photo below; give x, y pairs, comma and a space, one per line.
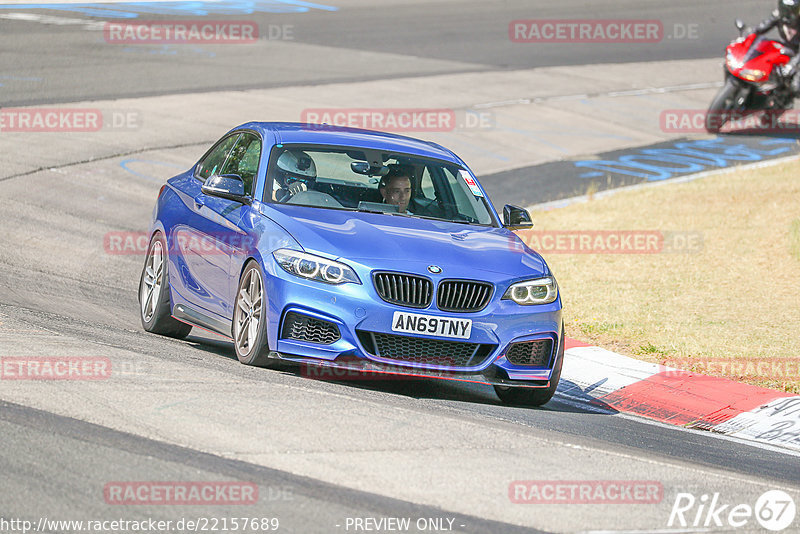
450, 36
327, 455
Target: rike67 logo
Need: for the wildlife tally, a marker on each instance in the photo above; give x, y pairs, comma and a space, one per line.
774, 510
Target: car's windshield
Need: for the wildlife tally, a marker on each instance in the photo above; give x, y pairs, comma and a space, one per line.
375, 181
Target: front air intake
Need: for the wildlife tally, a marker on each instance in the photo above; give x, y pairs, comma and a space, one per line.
304, 328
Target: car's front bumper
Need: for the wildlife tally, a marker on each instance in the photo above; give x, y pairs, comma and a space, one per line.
355, 308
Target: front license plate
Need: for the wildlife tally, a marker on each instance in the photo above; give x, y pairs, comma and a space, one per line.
415, 323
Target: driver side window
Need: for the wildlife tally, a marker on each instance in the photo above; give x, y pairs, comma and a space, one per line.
215, 160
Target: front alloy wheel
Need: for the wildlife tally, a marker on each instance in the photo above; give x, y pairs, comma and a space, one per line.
729, 98
250, 320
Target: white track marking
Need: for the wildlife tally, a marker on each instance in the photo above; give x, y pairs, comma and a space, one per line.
679, 180
612, 94
581, 403
83, 2
53, 20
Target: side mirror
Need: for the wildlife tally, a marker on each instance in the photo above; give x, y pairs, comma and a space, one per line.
739, 24
516, 218
230, 186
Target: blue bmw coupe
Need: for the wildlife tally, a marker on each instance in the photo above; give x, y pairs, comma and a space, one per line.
353, 249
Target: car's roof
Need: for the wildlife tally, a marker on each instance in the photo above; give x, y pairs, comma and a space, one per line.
318, 134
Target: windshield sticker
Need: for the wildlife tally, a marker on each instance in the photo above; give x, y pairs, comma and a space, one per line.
471, 183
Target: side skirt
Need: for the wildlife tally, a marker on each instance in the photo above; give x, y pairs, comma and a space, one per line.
188, 315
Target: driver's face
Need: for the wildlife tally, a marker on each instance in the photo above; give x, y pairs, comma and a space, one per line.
398, 192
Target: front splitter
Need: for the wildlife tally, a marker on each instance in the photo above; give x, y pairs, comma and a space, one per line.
356, 368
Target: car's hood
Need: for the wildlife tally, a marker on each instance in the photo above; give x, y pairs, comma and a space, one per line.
391, 238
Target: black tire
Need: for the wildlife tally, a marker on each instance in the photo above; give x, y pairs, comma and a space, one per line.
518, 396
252, 348
154, 303
719, 111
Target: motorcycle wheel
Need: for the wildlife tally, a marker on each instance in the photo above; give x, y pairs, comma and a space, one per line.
719, 110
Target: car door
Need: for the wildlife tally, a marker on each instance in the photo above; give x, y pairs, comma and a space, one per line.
242, 161
207, 236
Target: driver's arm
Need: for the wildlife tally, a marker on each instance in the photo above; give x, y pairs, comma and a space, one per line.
284, 194
767, 24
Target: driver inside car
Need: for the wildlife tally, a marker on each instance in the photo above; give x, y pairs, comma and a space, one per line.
395, 187
295, 172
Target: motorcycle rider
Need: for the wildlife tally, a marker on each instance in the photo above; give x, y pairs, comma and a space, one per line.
787, 18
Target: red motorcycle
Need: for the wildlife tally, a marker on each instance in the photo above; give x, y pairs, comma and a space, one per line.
754, 79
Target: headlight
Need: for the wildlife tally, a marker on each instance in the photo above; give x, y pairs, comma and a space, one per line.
313, 267
732, 62
752, 75
539, 291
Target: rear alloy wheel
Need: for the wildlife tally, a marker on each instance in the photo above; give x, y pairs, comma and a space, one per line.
250, 320
521, 396
154, 304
